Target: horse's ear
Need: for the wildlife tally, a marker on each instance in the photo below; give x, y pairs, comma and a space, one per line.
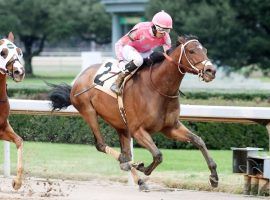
181, 40
10, 37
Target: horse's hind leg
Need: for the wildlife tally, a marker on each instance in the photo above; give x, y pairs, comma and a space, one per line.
181, 133
8, 134
89, 114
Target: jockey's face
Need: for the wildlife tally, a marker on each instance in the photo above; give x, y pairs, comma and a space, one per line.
160, 34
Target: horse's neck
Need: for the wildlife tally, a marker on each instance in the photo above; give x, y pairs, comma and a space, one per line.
3, 88
167, 77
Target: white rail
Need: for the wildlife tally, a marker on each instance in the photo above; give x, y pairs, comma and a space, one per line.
188, 112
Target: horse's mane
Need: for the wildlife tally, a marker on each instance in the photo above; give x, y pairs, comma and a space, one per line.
157, 57
181, 40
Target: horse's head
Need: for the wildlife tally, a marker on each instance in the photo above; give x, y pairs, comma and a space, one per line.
11, 59
193, 59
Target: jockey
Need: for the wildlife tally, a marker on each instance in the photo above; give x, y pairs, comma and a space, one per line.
139, 43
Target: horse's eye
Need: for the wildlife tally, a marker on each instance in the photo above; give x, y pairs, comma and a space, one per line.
4, 53
191, 51
19, 51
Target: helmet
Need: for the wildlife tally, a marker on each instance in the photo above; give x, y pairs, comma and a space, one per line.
162, 19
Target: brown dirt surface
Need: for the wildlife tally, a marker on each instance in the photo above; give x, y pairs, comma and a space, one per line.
97, 189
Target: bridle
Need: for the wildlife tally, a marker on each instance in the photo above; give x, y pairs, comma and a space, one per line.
179, 66
11, 72
11, 58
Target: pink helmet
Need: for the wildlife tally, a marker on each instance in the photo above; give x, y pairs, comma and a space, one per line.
162, 19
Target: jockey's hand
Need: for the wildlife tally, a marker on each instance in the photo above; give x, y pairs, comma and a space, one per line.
147, 62
157, 56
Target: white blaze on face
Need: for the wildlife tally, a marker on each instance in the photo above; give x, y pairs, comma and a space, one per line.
207, 63
200, 46
18, 66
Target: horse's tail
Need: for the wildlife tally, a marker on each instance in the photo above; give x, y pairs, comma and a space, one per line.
59, 95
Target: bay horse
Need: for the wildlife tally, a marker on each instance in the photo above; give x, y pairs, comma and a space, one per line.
151, 105
10, 65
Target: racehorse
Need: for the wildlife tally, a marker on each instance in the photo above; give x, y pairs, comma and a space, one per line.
10, 65
151, 105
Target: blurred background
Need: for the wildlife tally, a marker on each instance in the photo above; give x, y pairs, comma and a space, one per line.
58, 36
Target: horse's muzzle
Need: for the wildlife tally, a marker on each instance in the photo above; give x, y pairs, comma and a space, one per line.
18, 72
209, 73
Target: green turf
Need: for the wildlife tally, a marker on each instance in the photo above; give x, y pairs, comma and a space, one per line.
39, 82
72, 159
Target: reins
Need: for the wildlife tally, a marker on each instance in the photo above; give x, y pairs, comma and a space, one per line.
183, 52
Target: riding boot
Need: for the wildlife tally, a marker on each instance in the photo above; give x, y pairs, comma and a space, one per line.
131, 66
117, 84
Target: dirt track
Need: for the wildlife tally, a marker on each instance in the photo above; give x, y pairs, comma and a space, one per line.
34, 188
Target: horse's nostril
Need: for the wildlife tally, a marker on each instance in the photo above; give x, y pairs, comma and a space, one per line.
16, 72
210, 71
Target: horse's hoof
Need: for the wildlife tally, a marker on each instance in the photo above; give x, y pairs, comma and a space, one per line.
139, 166
125, 166
213, 181
142, 186
16, 183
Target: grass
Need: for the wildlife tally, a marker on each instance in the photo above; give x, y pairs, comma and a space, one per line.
264, 79
38, 82
180, 168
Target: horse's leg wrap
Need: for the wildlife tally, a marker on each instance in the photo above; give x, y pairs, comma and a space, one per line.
112, 152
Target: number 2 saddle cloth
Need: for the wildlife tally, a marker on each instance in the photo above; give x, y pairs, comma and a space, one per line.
106, 76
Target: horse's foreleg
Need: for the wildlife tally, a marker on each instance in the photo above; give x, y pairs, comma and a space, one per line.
125, 159
181, 133
8, 134
125, 156
145, 140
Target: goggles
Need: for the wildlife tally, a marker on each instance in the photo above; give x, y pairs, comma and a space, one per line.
162, 30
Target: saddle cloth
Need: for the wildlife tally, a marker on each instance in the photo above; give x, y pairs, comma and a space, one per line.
105, 76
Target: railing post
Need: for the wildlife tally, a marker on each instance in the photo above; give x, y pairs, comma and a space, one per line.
6, 159
130, 177
268, 130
